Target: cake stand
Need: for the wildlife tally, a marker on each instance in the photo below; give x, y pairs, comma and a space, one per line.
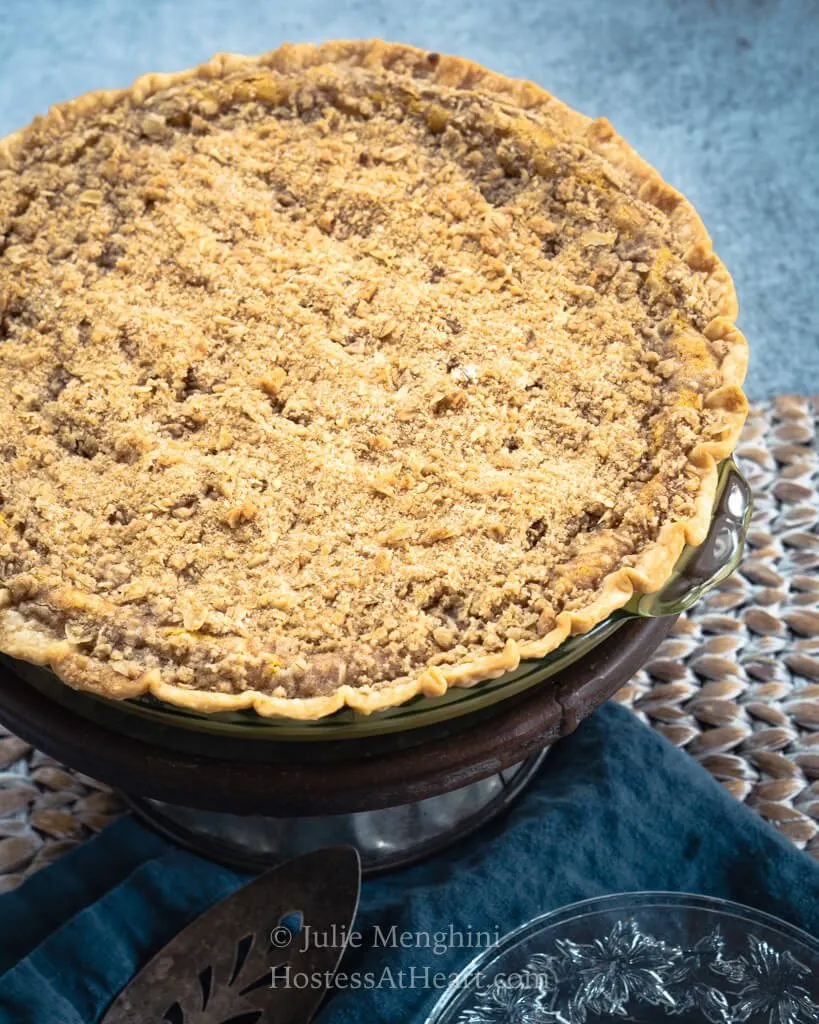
397, 803
247, 795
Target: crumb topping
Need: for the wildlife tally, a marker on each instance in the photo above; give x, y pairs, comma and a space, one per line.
329, 376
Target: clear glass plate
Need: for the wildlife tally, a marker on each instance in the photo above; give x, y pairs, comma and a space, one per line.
642, 958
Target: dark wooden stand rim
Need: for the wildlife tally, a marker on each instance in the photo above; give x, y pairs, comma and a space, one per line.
478, 745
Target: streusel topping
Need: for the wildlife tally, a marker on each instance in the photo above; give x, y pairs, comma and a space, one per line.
330, 376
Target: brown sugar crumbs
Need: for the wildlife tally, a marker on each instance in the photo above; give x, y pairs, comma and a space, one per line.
326, 377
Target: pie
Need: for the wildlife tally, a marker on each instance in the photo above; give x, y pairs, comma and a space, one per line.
340, 375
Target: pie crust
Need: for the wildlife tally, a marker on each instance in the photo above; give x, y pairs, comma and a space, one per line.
340, 375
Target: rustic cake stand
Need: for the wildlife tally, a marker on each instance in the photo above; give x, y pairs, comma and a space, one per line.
397, 798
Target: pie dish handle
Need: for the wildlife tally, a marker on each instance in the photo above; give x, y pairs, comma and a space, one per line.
702, 568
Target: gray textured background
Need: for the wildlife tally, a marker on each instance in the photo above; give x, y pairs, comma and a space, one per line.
721, 95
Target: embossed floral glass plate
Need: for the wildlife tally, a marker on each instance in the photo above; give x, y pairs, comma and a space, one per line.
642, 958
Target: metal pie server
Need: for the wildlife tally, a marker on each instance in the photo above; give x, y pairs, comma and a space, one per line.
244, 960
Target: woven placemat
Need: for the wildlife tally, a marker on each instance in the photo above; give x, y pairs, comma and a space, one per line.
736, 685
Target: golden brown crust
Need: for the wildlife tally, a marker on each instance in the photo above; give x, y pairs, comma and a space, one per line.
25, 636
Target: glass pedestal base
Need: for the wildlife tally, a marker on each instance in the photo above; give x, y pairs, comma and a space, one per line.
388, 838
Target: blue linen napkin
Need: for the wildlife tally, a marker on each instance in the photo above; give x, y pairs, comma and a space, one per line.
616, 808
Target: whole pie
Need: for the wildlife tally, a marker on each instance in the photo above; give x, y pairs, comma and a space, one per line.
343, 374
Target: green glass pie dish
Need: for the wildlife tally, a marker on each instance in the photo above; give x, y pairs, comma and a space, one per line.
698, 570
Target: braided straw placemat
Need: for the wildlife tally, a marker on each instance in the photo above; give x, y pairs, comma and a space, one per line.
736, 685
